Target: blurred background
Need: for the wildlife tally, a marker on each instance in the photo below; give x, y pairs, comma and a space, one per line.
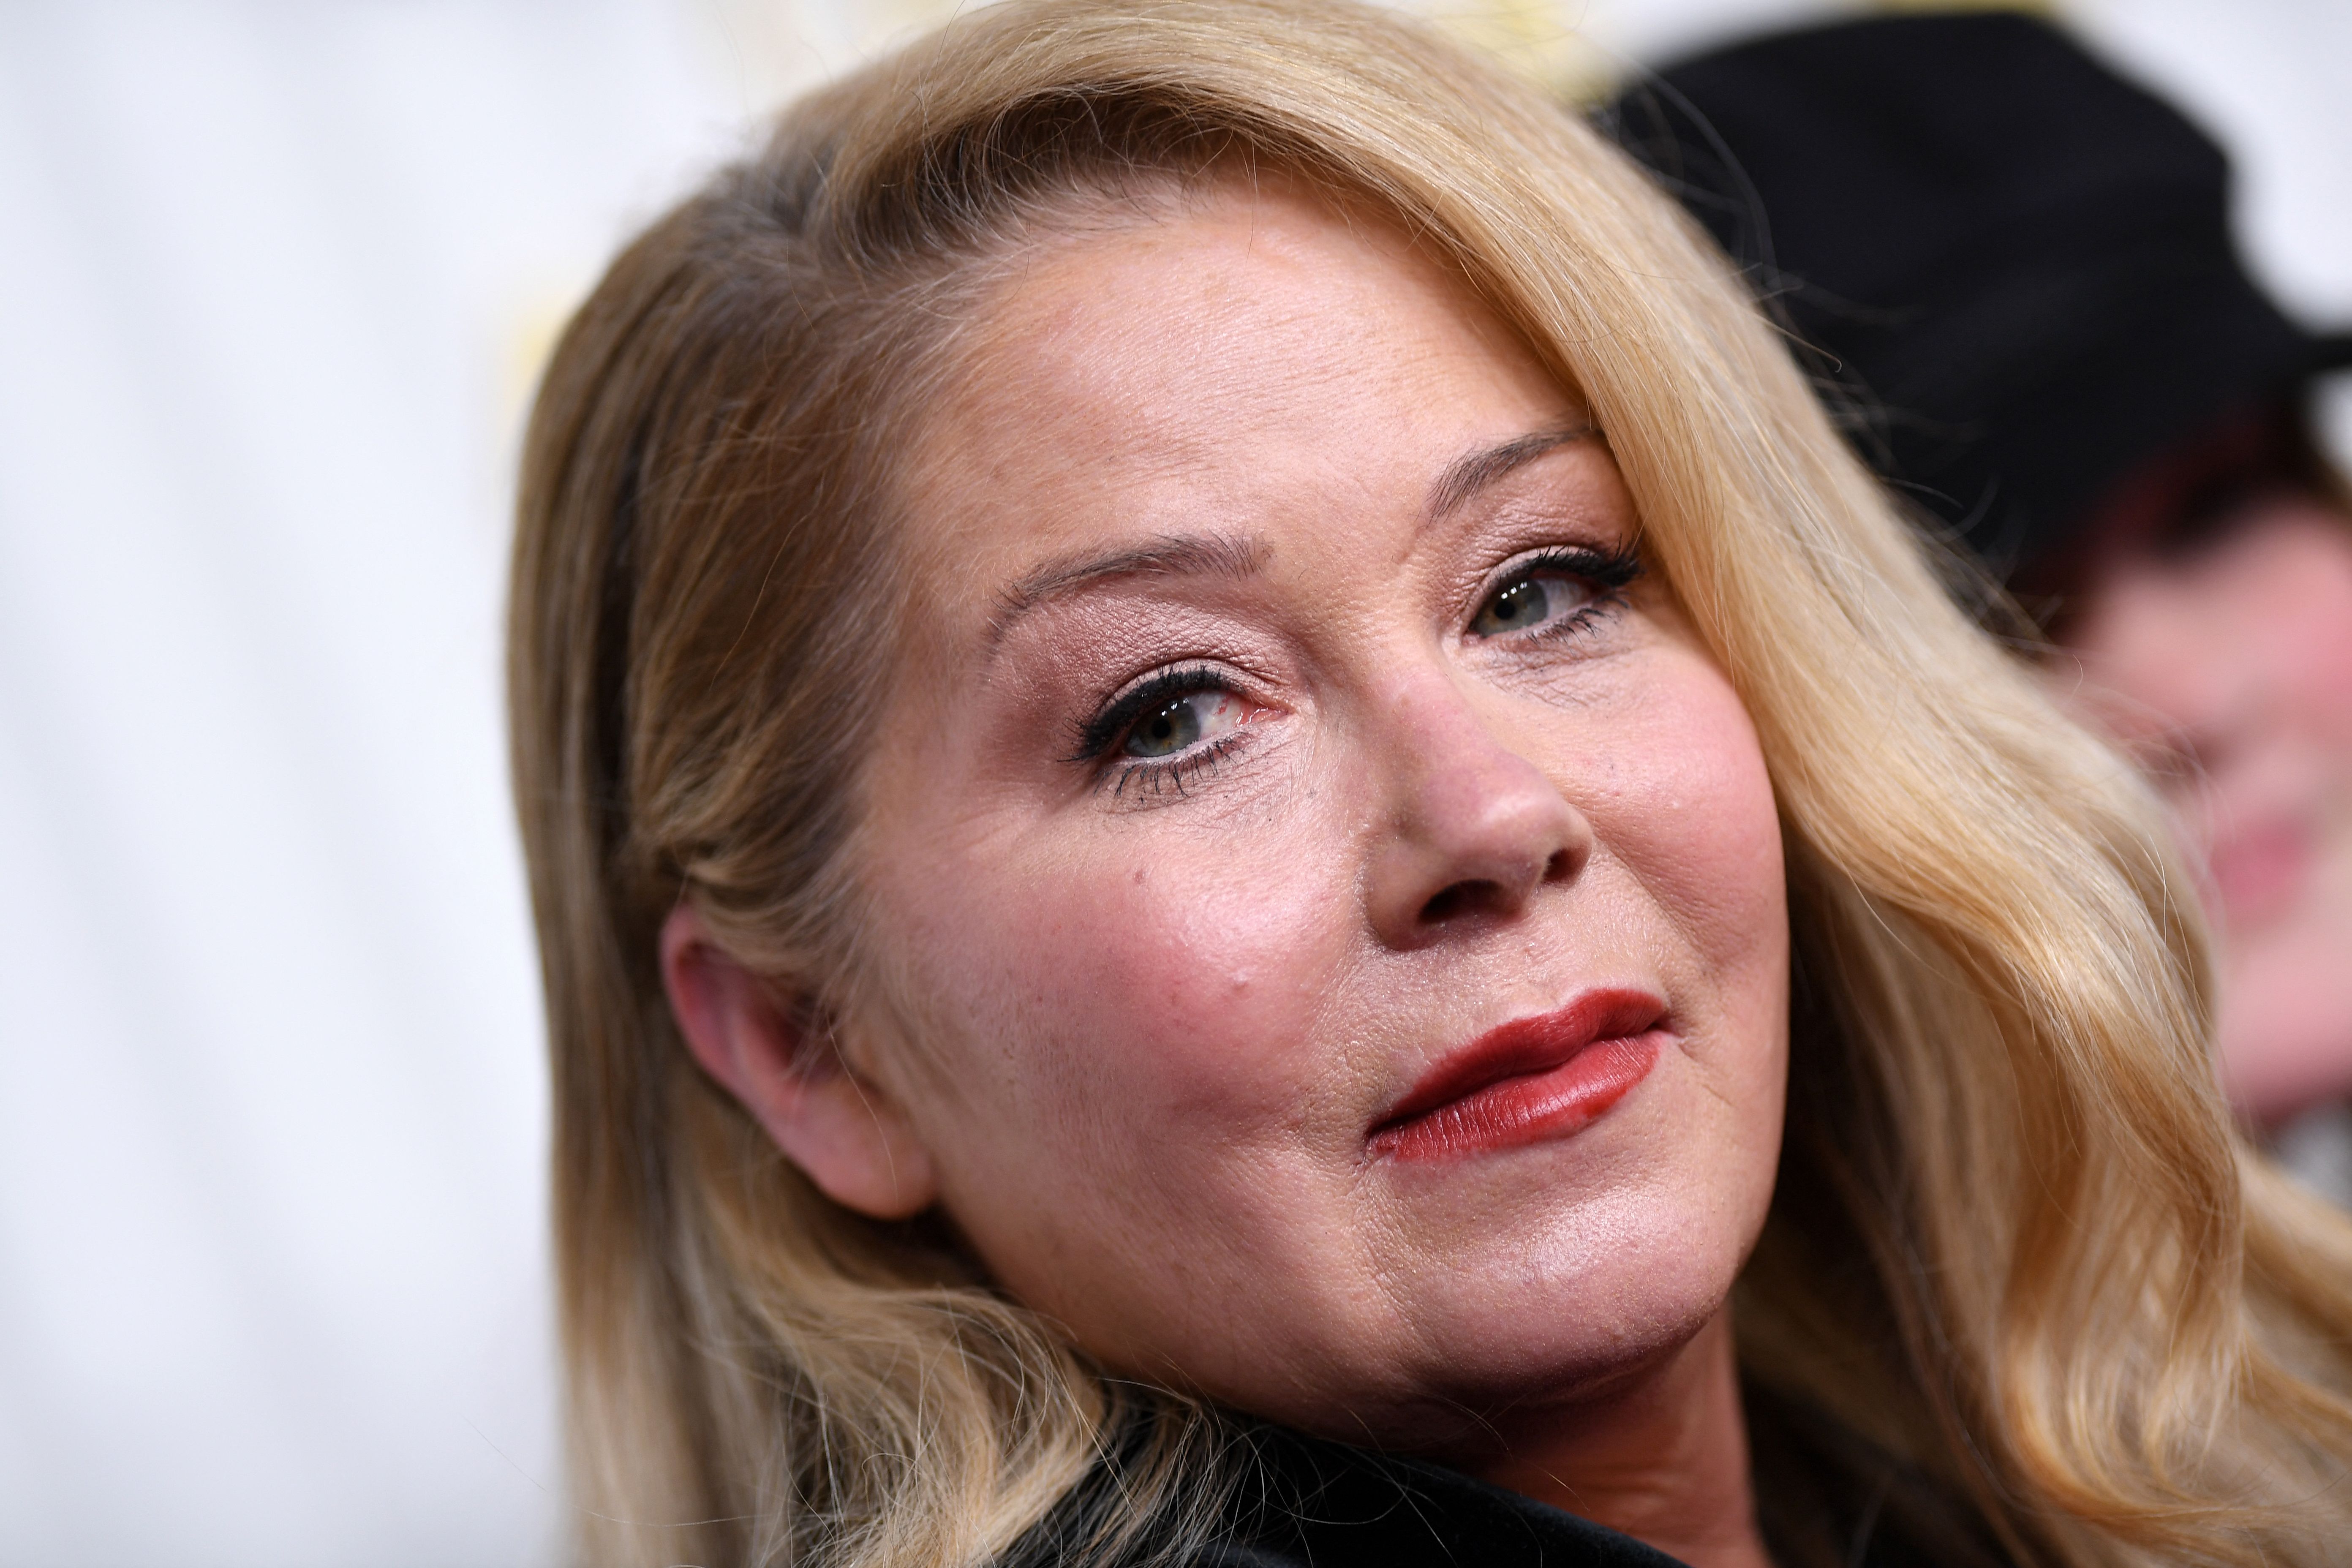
275, 279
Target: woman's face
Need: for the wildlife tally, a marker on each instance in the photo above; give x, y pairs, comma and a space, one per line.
2229, 666
1335, 904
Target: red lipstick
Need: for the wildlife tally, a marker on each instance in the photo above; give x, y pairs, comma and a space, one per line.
1526, 1081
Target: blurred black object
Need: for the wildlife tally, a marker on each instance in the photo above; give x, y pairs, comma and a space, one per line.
2010, 268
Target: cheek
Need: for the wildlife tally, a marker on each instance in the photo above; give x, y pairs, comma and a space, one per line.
1692, 816
1122, 1043
1123, 992
2303, 611
1689, 808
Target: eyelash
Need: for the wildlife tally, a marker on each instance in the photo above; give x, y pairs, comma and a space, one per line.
1610, 571
1158, 774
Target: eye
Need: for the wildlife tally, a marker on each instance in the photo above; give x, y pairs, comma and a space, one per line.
1178, 724
1559, 591
1530, 599
1174, 718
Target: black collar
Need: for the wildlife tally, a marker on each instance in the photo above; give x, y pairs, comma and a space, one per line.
1312, 1504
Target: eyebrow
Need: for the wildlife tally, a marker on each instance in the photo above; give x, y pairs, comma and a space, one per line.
1169, 556
1236, 557
1466, 475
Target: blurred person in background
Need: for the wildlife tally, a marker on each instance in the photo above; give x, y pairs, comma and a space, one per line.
2012, 273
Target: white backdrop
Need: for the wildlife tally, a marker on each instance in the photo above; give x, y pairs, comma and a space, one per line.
273, 279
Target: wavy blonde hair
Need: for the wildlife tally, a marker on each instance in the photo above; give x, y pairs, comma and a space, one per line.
2016, 1250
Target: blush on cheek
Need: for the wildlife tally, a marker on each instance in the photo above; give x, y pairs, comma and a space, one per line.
1134, 1000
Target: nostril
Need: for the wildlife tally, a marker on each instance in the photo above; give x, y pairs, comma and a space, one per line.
1484, 895
1460, 899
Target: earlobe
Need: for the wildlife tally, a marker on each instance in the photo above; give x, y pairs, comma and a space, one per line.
847, 1135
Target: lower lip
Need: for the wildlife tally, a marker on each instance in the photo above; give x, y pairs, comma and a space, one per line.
1530, 1109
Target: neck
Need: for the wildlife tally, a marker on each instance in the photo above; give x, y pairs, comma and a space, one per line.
1663, 1460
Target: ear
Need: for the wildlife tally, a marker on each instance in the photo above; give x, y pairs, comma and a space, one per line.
850, 1137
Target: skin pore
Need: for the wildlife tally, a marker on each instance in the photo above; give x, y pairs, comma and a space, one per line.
1288, 708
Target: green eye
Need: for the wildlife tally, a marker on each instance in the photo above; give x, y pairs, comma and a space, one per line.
1179, 724
1527, 601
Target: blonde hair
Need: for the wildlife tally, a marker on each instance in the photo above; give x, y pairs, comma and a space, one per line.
2016, 1249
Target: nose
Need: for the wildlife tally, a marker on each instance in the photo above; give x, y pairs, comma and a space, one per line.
1474, 830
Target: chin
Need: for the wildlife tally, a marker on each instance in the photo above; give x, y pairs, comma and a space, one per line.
1561, 1315
1579, 1309
1565, 1267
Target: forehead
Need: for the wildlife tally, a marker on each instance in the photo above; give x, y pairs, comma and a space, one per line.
1207, 367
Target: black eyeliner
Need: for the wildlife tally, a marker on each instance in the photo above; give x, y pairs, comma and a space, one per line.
1095, 735
1610, 569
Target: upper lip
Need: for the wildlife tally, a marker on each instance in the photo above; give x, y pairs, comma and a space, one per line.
1525, 1046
